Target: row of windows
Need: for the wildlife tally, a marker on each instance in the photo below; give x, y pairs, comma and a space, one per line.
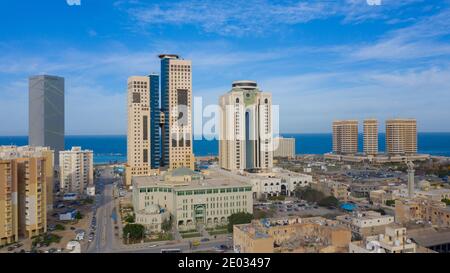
155, 190
210, 191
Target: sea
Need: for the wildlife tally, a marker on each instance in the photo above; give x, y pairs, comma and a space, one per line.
113, 148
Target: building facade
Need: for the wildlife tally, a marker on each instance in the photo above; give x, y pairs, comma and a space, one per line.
46, 113
315, 234
284, 147
191, 198
76, 170
138, 135
155, 123
423, 210
370, 137
9, 229
366, 223
25, 173
401, 136
176, 106
345, 136
246, 128
393, 240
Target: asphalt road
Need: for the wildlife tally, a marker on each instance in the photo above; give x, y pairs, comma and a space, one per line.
104, 240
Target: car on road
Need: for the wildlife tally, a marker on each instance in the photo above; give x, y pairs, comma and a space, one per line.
152, 246
204, 240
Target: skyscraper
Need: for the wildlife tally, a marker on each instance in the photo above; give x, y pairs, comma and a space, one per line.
246, 128
345, 136
401, 136
155, 123
138, 135
370, 136
46, 112
176, 107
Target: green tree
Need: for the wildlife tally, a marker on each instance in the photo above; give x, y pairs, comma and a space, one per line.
329, 201
134, 231
166, 225
380, 210
390, 203
59, 227
130, 218
78, 215
239, 218
446, 201
309, 194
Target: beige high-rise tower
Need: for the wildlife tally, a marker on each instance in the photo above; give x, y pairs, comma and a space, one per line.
246, 141
370, 136
138, 135
401, 136
176, 106
345, 136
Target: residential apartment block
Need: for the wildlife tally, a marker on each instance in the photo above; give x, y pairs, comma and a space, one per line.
401, 136
393, 240
345, 136
284, 147
370, 137
304, 235
25, 174
76, 170
366, 223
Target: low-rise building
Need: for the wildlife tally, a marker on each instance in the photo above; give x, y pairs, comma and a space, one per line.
315, 234
434, 194
394, 240
436, 240
422, 209
366, 223
68, 215
332, 188
152, 217
192, 198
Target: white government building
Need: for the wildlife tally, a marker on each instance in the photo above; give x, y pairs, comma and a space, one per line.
191, 198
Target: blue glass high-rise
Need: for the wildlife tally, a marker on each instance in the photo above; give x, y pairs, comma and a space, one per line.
155, 142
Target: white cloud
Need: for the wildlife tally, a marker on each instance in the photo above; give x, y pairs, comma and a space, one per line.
256, 17
73, 2
419, 40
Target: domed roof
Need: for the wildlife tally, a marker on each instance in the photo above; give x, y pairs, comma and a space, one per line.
181, 172
152, 209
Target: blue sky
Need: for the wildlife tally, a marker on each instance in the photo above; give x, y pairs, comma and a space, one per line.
321, 59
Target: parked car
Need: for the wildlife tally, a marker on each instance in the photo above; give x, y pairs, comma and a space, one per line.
205, 240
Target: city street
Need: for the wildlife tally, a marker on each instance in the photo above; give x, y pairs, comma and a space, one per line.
104, 240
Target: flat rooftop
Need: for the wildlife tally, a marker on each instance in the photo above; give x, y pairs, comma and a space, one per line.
431, 237
212, 180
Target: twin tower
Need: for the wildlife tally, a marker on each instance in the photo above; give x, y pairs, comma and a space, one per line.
160, 123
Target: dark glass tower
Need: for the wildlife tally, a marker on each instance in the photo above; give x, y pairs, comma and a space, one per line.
155, 143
